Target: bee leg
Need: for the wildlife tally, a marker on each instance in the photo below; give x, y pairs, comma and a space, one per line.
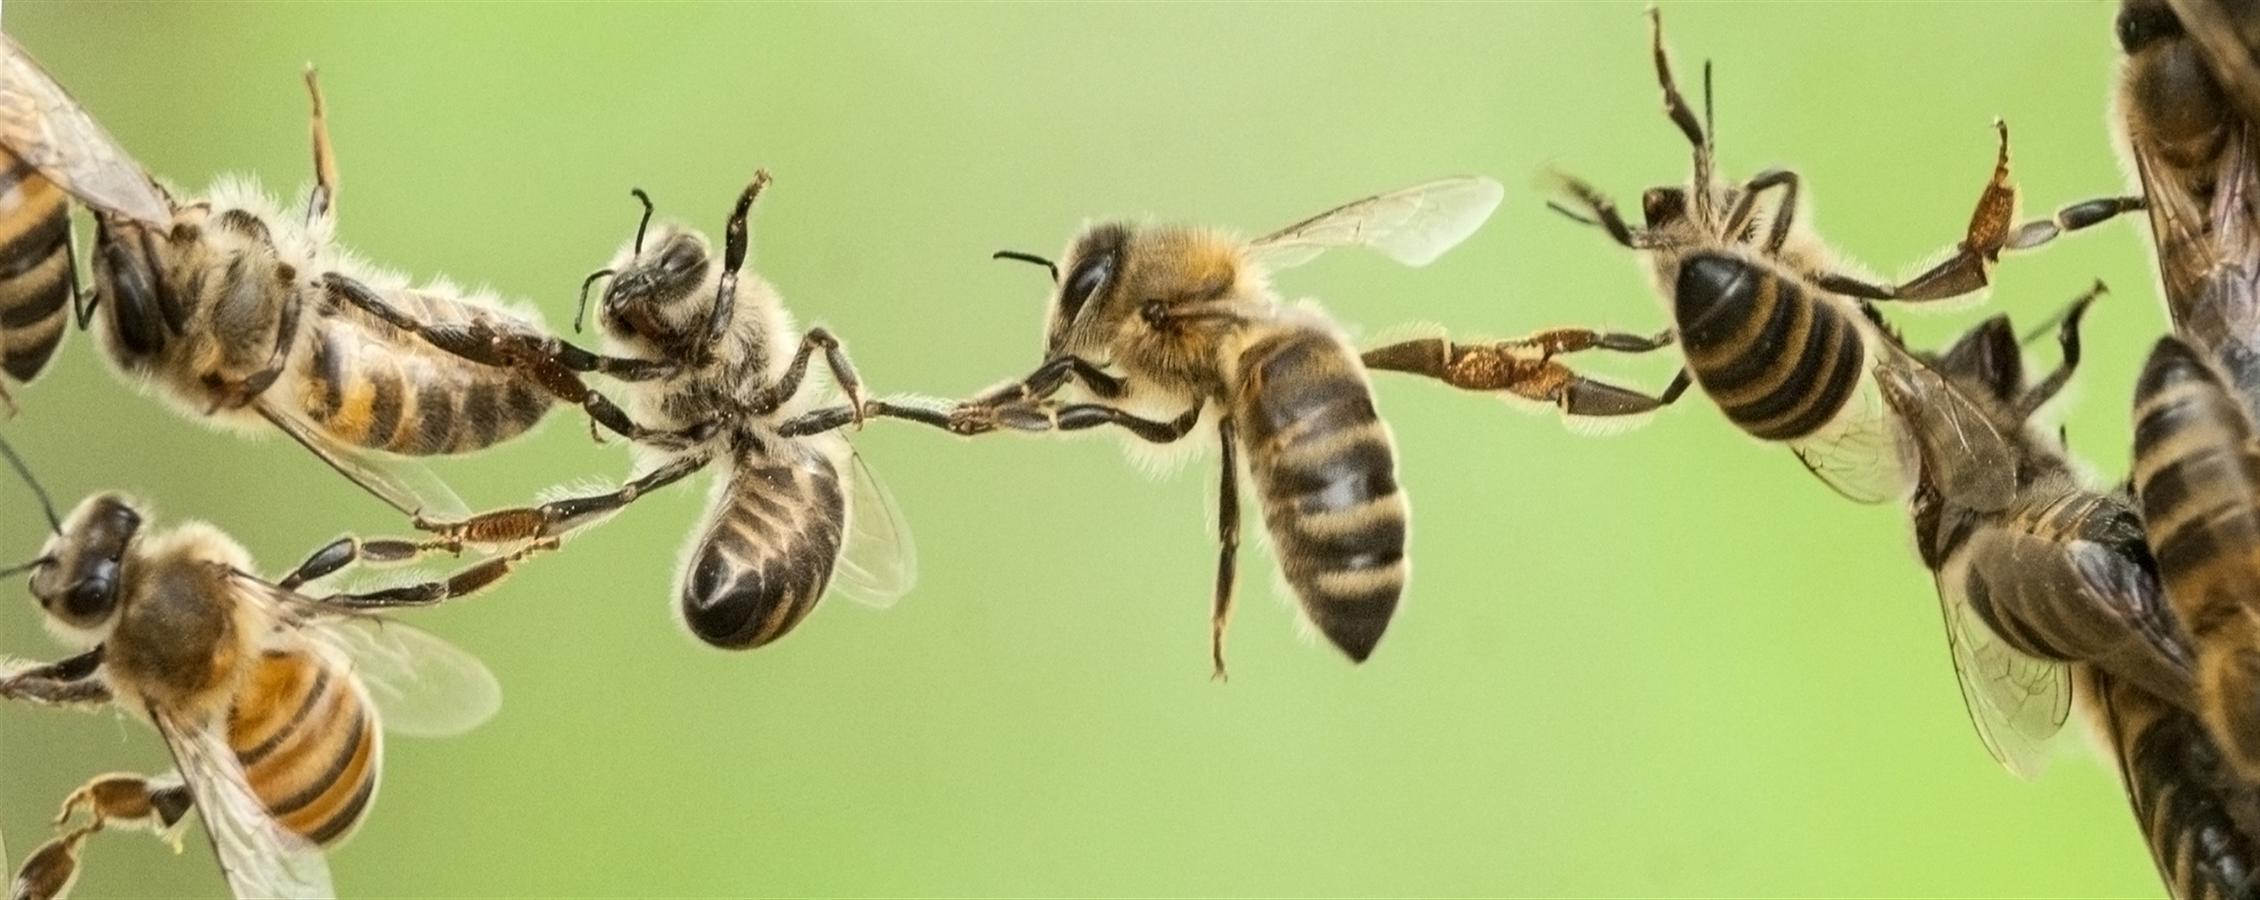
52, 869
464, 583
1586, 398
322, 203
2071, 218
734, 245
559, 517
348, 550
1228, 542
984, 414
2067, 337
876, 409
83, 300
9, 400
127, 797
1079, 416
1604, 214
788, 384
1785, 211
75, 681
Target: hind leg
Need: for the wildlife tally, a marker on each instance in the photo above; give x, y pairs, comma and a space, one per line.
1526, 368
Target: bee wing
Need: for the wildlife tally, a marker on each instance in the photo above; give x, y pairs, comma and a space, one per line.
421, 685
880, 562
1413, 226
42, 126
259, 857
2017, 702
1953, 438
405, 485
1859, 454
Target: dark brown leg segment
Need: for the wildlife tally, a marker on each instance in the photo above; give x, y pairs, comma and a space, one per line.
1228, 541
556, 518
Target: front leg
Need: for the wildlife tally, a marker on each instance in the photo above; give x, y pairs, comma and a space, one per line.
75, 681
238, 393
1526, 368
558, 517
1079, 416
835, 358
986, 413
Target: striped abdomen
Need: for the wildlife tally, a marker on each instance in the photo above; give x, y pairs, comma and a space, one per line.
771, 541
35, 269
2194, 812
2195, 474
372, 386
308, 742
1777, 357
1325, 467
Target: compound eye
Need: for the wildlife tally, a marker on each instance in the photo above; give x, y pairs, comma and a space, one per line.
1086, 281
681, 258
93, 597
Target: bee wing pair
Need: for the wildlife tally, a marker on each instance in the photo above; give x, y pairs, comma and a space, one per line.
1412, 226
1873, 451
2017, 702
420, 685
880, 562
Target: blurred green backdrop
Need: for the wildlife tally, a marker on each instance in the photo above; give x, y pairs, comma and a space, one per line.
1667, 662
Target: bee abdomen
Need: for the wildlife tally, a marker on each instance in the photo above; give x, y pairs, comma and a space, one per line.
1777, 358
2195, 474
308, 742
768, 554
1326, 468
387, 395
2182, 794
35, 266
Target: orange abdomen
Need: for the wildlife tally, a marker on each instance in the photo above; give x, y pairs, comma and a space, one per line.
308, 743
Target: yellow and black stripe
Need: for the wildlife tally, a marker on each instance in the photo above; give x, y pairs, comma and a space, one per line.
769, 549
35, 269
385, 391
2195, 475
1777, 358
308, 742
2193, 810
1326, 468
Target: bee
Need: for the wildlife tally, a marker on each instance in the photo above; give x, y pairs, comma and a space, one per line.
247, 316
2198, 816
1169, 329
2196, 470
53, 151
706, 349
2187, 94
2060, 575
268, 700
1767, 322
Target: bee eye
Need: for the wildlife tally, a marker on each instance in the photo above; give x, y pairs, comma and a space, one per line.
682, 258
1087, 280
94, 595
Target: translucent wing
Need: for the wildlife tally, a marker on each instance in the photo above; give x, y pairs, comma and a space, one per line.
42, 126
1413, 226
422, 686
2017, 702
880, 562
403, 484
259, 857
1859, 453
1969, 459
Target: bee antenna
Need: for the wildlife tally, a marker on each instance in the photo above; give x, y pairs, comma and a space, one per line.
645, 222
1018, 256
46, 505
26, 567
1571, 214
581, 311
1710, 121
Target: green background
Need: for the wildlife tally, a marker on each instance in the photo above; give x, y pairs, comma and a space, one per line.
1666, 662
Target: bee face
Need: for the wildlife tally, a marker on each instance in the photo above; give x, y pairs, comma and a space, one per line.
1112, 272
79, 586
662, 290
1089, 276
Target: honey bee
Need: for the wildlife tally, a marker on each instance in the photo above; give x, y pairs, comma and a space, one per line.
2196, 471
1768, 323
53, 151
268, 700
1188, 322
2197, 815
709, 350
2060, 575
2187, 94
245, 315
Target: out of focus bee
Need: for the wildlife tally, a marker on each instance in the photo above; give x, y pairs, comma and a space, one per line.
706, 349
2188, 94
2058, 575
244, 314
1167, 329
269, 700
1765, 317
2200, 818
2197, 479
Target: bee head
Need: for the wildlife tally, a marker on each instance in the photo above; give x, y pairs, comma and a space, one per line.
662, 287
77, 577
1986, 357
2169, 95
1111, 271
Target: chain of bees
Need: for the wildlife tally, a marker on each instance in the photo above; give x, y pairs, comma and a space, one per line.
2141, 598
